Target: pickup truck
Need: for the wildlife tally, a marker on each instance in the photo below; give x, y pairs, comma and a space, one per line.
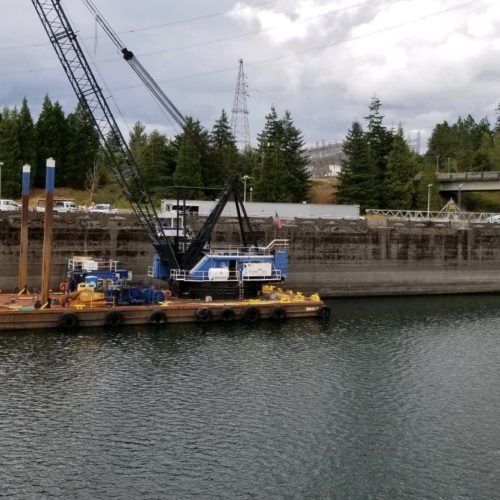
59, 206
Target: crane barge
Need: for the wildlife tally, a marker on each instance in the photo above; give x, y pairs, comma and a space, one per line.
235, 282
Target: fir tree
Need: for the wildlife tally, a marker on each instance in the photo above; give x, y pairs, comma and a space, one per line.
26, 134
359, 176
52, 136
380, 140
188, 170
224, 150
401, 170
81, 149
280, 173
10, 155
159, 163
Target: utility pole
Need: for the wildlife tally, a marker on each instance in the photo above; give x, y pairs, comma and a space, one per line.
239, 117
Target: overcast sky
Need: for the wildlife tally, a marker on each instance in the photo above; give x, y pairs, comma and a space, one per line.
427, 60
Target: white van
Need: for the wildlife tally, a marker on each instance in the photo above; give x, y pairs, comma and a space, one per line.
9, 205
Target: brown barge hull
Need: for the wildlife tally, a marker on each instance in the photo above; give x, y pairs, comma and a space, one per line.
13, 317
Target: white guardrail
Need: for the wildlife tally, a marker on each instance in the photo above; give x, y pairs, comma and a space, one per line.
415, 215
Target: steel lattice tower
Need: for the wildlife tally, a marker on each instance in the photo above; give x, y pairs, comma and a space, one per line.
239, 117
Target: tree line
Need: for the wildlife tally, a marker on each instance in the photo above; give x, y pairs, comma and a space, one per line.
196, 157
380, 170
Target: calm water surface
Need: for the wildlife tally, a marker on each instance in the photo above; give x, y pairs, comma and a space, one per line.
393, 398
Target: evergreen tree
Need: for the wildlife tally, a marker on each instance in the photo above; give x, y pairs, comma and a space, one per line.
137, 143
159, 163
10, 155
295, 160
280, 173
224, 151
428, 177
401, 170
380, 140
52, 136
81, 149
269, 175
483, 154
495, 152
188, 171
359, 176
26, 134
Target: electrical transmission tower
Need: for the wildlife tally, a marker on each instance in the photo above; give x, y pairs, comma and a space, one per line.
239, 117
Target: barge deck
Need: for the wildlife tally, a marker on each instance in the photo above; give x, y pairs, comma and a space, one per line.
19, 312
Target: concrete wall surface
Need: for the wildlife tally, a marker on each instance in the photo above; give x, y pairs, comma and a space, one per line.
332, 257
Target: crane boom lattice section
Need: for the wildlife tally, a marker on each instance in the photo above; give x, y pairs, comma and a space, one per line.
90, 95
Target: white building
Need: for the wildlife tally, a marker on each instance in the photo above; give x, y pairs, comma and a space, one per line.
258, 209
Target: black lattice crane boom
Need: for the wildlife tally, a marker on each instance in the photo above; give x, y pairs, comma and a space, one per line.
90, 95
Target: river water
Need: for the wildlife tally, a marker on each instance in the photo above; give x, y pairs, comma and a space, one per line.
392, 398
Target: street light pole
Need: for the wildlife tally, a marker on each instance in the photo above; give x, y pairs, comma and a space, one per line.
245, 177
429, 188
1, 165
459, 197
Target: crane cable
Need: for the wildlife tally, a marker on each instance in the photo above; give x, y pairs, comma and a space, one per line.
138, 68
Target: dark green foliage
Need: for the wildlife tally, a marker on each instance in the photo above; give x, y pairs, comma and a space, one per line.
10, 155
279, 174
52, 141
381, 141
158, 164
82, 148
358, 177
26, 134
224, 158
428, 177
188, 171
400, 173
466, 145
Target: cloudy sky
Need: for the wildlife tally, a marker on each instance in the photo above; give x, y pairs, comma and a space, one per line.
427, 60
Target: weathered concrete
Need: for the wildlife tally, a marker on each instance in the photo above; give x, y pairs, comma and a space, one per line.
332, 257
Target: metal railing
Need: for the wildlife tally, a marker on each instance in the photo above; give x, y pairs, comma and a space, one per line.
248, 250
469, 176
97, 264
183, 275
415, 215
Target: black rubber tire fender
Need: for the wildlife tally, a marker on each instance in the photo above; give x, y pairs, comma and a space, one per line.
227, 315
204, 314
278, 313
324, 312
114, 319
250, 314
69, 321
158, 318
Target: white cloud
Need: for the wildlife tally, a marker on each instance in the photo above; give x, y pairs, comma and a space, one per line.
321, 59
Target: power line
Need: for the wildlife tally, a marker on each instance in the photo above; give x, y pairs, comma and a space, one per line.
144, 28
276, 58
284, 56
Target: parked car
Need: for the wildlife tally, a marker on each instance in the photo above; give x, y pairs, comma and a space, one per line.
102, 208
65, 206
9, 205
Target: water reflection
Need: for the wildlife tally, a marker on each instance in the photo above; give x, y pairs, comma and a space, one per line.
393, 398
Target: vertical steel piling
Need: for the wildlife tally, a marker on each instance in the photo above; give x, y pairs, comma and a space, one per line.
47, 231
23, 239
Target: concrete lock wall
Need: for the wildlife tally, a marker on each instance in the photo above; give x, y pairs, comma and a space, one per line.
332, 257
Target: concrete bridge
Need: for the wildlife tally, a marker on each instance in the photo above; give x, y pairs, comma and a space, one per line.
469, 181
